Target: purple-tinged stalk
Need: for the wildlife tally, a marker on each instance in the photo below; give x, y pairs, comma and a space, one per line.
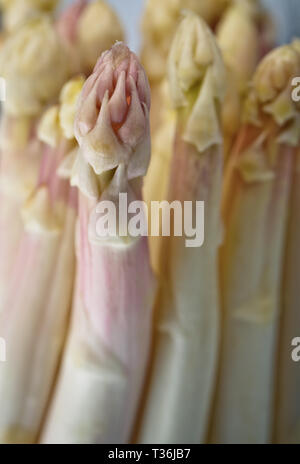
30, 86
178, 395
35, 311
255, 203
99, 384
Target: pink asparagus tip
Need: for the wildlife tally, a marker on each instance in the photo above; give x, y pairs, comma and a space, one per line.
112, 120
68, 20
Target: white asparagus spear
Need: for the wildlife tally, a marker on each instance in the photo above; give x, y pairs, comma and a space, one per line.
99, 385
35, 308
38, 299
256, 191
182, 370
30, 85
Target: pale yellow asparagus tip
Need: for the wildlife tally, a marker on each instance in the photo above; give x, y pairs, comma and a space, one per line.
197, 79
17, 12
159, 24
58, 120
68, 104
98, 29
271, 92
269, 105
49, 130
27, 60
238, 38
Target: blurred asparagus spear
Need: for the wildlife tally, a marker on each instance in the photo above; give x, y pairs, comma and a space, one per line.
182, 370
238, 36
99, 385
157, 179
255, 199
30, 86
287, 419
67, 26
159, 24
87, 29
17, 12
34, 317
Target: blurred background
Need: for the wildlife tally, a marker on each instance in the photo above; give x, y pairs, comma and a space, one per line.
286, 15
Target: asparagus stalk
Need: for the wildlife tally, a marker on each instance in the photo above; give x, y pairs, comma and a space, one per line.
99, 385
157, 178
34, 317
30, 85
256, 191
287, 419
182, 369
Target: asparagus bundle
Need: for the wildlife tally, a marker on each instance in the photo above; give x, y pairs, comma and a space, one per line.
30, 85
256, 191
287, 419
99, 385
182, 369
88, 29
34, 318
